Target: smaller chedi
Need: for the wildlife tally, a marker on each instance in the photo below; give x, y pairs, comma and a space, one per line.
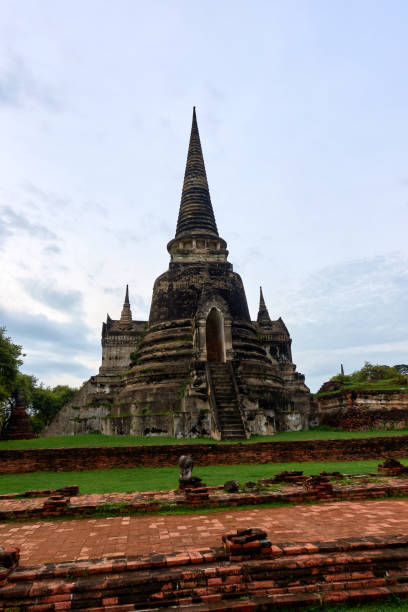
18, 426
199, 365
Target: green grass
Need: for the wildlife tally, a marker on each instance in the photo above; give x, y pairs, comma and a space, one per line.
384, 606
84, 440
148, 479
385, 384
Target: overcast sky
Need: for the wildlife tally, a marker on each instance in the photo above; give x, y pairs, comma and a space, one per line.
302, 110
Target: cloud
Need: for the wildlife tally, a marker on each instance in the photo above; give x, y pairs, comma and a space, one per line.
41, 333
95, 207
4, 232
52, 200
43, 366
19, 88
14, 222
137, 301
52, 249
357, 303
350, 313
113, 290
68, 301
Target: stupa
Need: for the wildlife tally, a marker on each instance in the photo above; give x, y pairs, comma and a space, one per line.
199, 365
18, 426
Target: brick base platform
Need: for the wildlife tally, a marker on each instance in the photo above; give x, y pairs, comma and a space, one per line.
288, 575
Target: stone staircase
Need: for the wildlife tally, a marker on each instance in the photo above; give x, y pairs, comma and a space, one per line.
226, 401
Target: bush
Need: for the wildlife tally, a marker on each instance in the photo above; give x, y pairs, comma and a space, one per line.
372, 373
344, 379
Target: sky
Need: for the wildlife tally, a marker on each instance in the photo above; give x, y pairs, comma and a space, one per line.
302, 111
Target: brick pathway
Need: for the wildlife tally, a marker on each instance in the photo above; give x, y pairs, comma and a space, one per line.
45, 541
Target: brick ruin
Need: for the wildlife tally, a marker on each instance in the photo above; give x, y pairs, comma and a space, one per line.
199, 365
18, 426
356, 410
246, 573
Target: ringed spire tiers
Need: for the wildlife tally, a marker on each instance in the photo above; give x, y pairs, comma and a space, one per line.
126, 315
196, 232
196, 213
263, 314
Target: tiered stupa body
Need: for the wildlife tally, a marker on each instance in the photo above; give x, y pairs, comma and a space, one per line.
199, 366
200, 361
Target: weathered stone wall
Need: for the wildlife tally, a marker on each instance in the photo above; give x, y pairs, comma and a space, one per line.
116, 352
177, 424
102, 458
361, 410
78, 415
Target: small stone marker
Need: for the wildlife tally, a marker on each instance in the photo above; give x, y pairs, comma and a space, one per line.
231, 486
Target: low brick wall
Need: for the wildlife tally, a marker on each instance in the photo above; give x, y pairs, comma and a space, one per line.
102, 458
275, 577
126, 504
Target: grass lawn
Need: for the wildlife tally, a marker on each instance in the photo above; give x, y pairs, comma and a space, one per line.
148, 479
84, 440
385, 606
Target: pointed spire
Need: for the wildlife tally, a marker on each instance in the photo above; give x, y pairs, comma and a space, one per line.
126, 315
196, 215
263, 314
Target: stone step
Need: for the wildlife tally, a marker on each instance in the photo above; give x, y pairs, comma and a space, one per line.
229, 415
233, 436
228, 408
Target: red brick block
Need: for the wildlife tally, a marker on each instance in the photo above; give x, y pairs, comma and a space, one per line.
242, 606
213, 597
109, 601
335, 597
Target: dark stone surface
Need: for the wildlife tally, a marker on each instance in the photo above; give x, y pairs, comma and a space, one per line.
231, 486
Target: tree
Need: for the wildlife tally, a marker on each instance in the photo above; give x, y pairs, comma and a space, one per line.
46, 402
402, 368
371, 373
42, 403
9, 363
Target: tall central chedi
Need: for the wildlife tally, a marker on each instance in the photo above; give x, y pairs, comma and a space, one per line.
199, 366
202, 366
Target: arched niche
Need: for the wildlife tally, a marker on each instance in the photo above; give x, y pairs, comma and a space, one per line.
220, 320
215, 337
